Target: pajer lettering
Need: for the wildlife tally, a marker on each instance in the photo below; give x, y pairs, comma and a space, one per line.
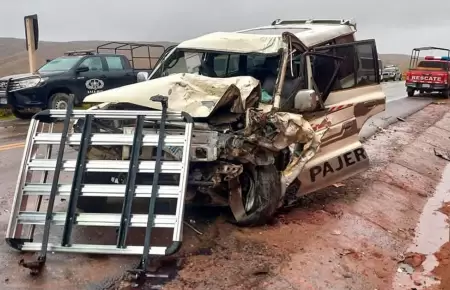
344, 160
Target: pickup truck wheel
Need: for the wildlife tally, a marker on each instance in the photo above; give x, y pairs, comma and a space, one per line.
22, 115
94, 204
410, 93
261, 192
446, 94
59, 101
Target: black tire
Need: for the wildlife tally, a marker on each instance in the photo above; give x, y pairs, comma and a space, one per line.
59, 101
410, 93
421, 91
22, 115
94, 204
267, 192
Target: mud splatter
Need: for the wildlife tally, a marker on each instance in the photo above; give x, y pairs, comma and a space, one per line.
442, 271
445, 209
415, 260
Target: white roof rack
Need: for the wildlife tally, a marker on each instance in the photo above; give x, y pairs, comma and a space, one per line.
315, 21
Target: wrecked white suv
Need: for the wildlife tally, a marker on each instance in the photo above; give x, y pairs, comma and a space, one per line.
277, 112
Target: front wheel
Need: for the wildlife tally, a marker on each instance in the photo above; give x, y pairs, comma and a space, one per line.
59, 101
261, 193
23, 115
410, 93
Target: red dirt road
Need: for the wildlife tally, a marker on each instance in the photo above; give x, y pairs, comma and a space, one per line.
345, 237
350, 237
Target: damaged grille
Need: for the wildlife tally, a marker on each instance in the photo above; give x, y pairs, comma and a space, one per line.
3, 85
12, 86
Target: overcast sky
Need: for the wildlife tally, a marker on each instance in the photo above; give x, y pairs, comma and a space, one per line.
397, 26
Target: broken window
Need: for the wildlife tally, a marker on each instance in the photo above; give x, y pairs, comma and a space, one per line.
359, 66
367, 73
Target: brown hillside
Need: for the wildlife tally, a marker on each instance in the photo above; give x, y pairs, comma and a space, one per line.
401, 60
14, 57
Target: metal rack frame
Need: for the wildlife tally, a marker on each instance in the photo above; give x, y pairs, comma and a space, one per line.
129, 191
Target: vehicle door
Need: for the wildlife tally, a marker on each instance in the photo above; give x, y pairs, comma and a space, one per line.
118, 72
93, 80
349, 101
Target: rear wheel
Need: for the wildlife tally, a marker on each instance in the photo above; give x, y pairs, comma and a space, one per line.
261, 193
410, 92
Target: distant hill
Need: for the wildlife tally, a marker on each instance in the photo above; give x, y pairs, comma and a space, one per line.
401, 60
14, 57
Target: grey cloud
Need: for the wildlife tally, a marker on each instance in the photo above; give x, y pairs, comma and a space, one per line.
397, 26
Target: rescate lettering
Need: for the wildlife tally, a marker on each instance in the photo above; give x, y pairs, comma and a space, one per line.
427, 78
344, 160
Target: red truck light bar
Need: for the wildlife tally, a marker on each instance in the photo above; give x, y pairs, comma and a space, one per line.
437, 58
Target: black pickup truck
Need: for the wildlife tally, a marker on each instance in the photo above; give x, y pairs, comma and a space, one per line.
76, 74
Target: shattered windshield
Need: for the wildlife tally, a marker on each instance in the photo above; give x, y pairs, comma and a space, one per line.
221, 65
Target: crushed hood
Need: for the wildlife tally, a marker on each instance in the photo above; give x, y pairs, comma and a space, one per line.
196, 95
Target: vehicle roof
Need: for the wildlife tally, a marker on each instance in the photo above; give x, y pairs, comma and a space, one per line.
268, 39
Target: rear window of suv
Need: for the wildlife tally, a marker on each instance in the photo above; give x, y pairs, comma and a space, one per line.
431, 64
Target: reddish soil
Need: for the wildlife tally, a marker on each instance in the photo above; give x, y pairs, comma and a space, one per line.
415, 260
442, 271
445, 209
349, 237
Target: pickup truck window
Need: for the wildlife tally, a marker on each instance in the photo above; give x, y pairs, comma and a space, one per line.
94, 63
60, 64
114, 62
440, 65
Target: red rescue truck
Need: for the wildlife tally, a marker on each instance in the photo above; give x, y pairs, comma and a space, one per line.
430, 74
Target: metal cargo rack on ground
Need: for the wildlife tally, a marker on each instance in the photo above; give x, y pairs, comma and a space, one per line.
130, 191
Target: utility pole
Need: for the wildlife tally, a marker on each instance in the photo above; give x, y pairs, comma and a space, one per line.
32, 39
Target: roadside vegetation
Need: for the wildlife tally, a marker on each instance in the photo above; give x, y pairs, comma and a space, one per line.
6, 114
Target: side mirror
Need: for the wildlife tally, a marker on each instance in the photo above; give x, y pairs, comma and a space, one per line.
307, 101
81, 69
142, 76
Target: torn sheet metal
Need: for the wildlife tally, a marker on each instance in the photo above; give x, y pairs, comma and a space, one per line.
278, 130
196, 95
